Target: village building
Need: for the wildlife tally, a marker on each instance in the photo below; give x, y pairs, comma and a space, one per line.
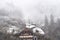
28, 34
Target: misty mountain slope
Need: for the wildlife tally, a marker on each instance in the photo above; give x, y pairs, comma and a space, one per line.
11, 22
6, 20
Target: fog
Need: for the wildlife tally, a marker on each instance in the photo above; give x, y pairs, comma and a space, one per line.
44, 13
31, 9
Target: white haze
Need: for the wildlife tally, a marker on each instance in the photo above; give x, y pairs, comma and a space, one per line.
31, 9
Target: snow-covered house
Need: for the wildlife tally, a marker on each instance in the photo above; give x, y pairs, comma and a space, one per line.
12, 30
30, 33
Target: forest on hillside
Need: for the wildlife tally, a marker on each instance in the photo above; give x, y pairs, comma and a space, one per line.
51, 28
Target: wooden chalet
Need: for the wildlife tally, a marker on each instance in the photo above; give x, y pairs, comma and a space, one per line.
27, 34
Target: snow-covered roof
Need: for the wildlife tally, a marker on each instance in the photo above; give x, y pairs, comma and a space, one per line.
33, 27
10, 29
39, 29
30, 26
36, 28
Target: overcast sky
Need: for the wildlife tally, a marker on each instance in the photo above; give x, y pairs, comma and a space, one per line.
32, 9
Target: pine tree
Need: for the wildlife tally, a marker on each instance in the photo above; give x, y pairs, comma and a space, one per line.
46, 21
52, 26
52, 20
